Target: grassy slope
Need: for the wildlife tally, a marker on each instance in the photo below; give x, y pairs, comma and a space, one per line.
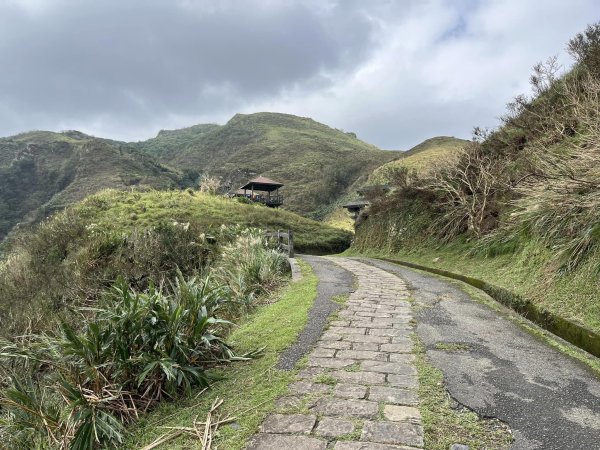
526, 272
420, 156
41, 172
317, 163
274, 326
118, 210
73, 257
417, 158
340, 218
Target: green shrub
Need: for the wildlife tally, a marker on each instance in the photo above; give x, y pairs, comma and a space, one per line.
82, 387
78, 386
248, 268
68, 262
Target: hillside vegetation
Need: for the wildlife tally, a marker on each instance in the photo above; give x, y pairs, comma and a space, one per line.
317, 164
427, 154
126, 299
520, 205
424, 156
91, 368
141, 237
41, 172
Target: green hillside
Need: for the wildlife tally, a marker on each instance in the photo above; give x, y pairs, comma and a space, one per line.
119, 211
520, 207
41, 172
141, 236
317, 163
419, 157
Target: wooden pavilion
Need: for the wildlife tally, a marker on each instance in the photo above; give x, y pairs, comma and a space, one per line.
262, 190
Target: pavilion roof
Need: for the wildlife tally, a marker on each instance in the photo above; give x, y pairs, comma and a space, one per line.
262, 184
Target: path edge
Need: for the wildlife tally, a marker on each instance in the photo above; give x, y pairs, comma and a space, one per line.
295, 268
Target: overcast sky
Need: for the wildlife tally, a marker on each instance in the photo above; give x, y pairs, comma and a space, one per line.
394, 72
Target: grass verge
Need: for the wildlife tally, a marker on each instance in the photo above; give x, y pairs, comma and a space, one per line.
444, 424
572, 296
249, 389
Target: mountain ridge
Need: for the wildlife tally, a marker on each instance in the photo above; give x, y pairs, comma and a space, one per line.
44, 171
41, 172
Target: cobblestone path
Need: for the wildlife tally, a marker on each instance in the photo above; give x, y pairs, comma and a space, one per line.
358, 390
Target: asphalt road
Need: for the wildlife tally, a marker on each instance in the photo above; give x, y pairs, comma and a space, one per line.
549, 400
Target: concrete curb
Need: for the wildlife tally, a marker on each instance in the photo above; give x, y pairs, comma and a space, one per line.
296, 271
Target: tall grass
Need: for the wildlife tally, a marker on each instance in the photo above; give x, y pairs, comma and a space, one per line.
77, 387
248, 268
535, 178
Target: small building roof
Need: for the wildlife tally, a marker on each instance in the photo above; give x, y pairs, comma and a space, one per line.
262, 184
356, 204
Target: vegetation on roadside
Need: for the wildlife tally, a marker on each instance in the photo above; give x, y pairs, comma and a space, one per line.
274, 325
444, 423
78, 384
519, 206
69, 260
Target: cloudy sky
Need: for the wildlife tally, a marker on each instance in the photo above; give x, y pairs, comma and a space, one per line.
394, 72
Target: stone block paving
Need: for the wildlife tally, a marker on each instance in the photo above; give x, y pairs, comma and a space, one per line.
358, 391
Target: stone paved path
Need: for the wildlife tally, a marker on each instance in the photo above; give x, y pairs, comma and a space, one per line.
358, 391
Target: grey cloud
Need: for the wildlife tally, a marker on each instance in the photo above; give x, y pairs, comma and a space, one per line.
138, 60
394, 72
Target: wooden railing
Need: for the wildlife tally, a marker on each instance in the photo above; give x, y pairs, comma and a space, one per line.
272, 200
282, 240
